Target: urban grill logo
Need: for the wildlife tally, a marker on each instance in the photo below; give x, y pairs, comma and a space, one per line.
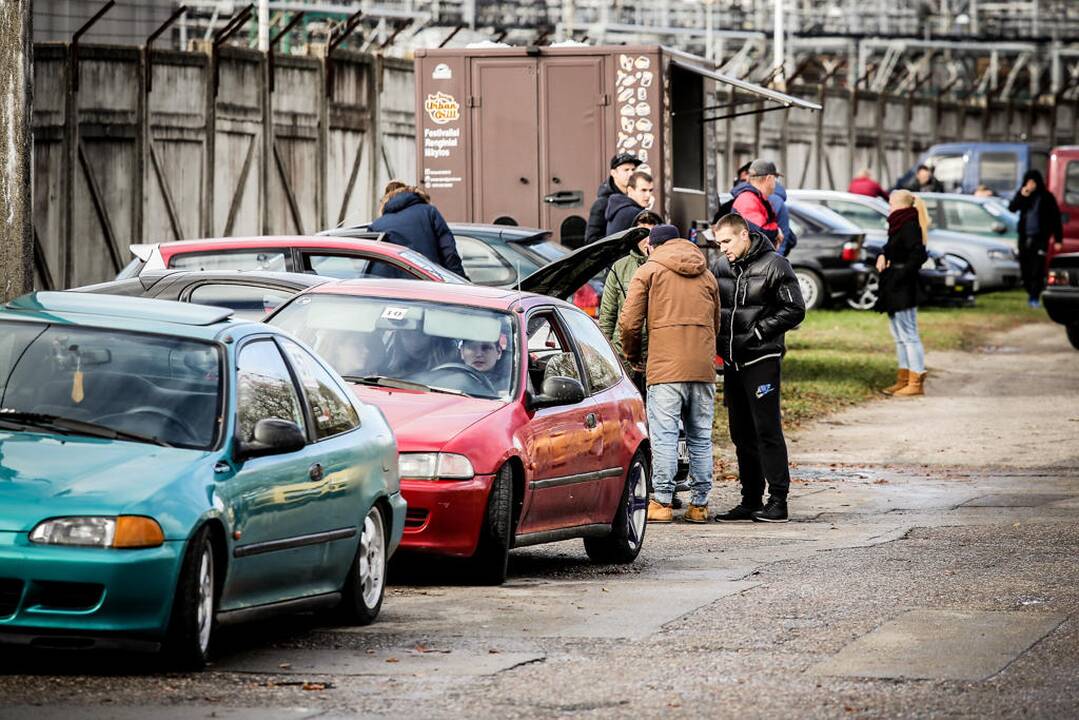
442, 108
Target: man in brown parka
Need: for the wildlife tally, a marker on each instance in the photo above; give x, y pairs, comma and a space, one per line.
677, 295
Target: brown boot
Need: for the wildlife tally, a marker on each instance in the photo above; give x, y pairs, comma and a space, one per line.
914, 387
659, 513
696, 514
902, 377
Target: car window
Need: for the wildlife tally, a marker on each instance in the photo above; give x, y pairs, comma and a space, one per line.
864, 217
601, 365
948, 169
330, 406
264, 389
482, 264
269, 259
968, 217
549, 355
1071, 183
159, 386
999, 171
344, 266
248, 302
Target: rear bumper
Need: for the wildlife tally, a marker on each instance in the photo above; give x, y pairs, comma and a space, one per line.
112, 597
1062, 304
445, 516
844, 281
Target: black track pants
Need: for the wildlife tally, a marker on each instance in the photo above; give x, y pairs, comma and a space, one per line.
751, 395
1032, 264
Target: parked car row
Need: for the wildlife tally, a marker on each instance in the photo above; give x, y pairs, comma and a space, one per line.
171, 467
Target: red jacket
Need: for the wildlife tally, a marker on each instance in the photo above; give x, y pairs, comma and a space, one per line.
867, 186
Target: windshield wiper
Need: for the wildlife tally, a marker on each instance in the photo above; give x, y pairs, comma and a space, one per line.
67, 426
392, 382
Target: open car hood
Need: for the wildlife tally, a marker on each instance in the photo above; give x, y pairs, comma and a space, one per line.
564, 277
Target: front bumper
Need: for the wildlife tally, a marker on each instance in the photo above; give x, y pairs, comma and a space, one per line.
101, 596
1062, 304
445, 516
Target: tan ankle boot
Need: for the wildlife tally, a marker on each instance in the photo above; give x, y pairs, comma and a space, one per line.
914, 387
902, 378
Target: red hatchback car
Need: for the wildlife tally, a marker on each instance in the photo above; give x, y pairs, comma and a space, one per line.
341, 258
515, 422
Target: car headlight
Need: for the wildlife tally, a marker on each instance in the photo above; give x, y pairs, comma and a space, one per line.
1002, 255
429, 466
125, 531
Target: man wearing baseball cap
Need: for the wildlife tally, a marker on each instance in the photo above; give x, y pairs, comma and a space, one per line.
675, 295
622, 166
751, 199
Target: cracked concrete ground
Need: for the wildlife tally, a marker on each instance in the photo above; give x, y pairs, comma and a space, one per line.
929, 570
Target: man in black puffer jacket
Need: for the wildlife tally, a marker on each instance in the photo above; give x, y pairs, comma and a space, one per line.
759, 301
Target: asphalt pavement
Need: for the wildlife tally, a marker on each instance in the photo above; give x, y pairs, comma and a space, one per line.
911, 582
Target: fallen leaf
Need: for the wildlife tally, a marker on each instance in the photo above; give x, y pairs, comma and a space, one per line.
314, 686
392, 660
285, 666
493, 651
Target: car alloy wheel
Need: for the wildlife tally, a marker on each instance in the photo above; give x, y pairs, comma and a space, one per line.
372, 557
365, 585
630, 521
812, 288
190, 635
866, 298
205, 606
637, 507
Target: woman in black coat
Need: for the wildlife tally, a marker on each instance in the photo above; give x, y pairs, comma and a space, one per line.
1039, 223
409, 219
898, 266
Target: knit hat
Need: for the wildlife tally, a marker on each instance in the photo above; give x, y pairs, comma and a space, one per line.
661, 234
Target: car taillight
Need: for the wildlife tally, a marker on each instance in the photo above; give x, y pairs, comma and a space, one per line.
587, 299
852, 251
1059, 277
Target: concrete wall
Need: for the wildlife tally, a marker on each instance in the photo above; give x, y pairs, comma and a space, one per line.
179, 148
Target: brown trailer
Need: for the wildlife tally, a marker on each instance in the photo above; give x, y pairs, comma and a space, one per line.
523, 135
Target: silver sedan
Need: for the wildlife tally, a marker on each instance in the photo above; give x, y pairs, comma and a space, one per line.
995, 263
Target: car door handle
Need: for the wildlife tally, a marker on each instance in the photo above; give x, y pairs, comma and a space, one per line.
315, 472
590, 421
565, 198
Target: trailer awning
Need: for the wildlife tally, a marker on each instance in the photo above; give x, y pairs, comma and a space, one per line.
787, 101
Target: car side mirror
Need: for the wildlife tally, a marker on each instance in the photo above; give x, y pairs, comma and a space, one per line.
272, 436
999, 228
557, 391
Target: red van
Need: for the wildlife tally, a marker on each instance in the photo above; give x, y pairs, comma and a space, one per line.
1064, 184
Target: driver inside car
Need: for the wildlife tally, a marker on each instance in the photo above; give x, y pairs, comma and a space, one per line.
483, 356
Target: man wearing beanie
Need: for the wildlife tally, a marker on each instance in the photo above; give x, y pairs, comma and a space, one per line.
676, 294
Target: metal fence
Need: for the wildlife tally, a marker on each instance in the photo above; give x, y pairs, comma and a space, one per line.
131, 147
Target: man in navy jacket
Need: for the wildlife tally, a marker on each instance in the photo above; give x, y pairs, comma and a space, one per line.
409, 219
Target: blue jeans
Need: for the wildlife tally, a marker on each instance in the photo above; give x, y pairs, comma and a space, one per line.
908, 345
671, 405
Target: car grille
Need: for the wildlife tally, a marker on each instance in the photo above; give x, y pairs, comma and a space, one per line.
415, 518
10, 592
70, 596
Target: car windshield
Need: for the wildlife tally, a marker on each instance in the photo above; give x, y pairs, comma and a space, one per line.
154, 387
429, 345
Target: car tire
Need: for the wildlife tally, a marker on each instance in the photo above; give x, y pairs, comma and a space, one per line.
1073, 334
189, 639
365, 585
630, 521
491, 559
812, 287
866, 297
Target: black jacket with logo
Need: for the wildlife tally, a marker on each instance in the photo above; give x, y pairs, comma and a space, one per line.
759, 301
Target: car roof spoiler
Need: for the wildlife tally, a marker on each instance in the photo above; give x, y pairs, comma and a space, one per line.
142, 251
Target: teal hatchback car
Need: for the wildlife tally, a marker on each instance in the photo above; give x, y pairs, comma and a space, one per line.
165, 469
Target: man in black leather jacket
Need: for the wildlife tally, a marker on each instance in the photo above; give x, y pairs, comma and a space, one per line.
759, 301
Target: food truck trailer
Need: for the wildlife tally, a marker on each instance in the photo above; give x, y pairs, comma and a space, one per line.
524, 135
